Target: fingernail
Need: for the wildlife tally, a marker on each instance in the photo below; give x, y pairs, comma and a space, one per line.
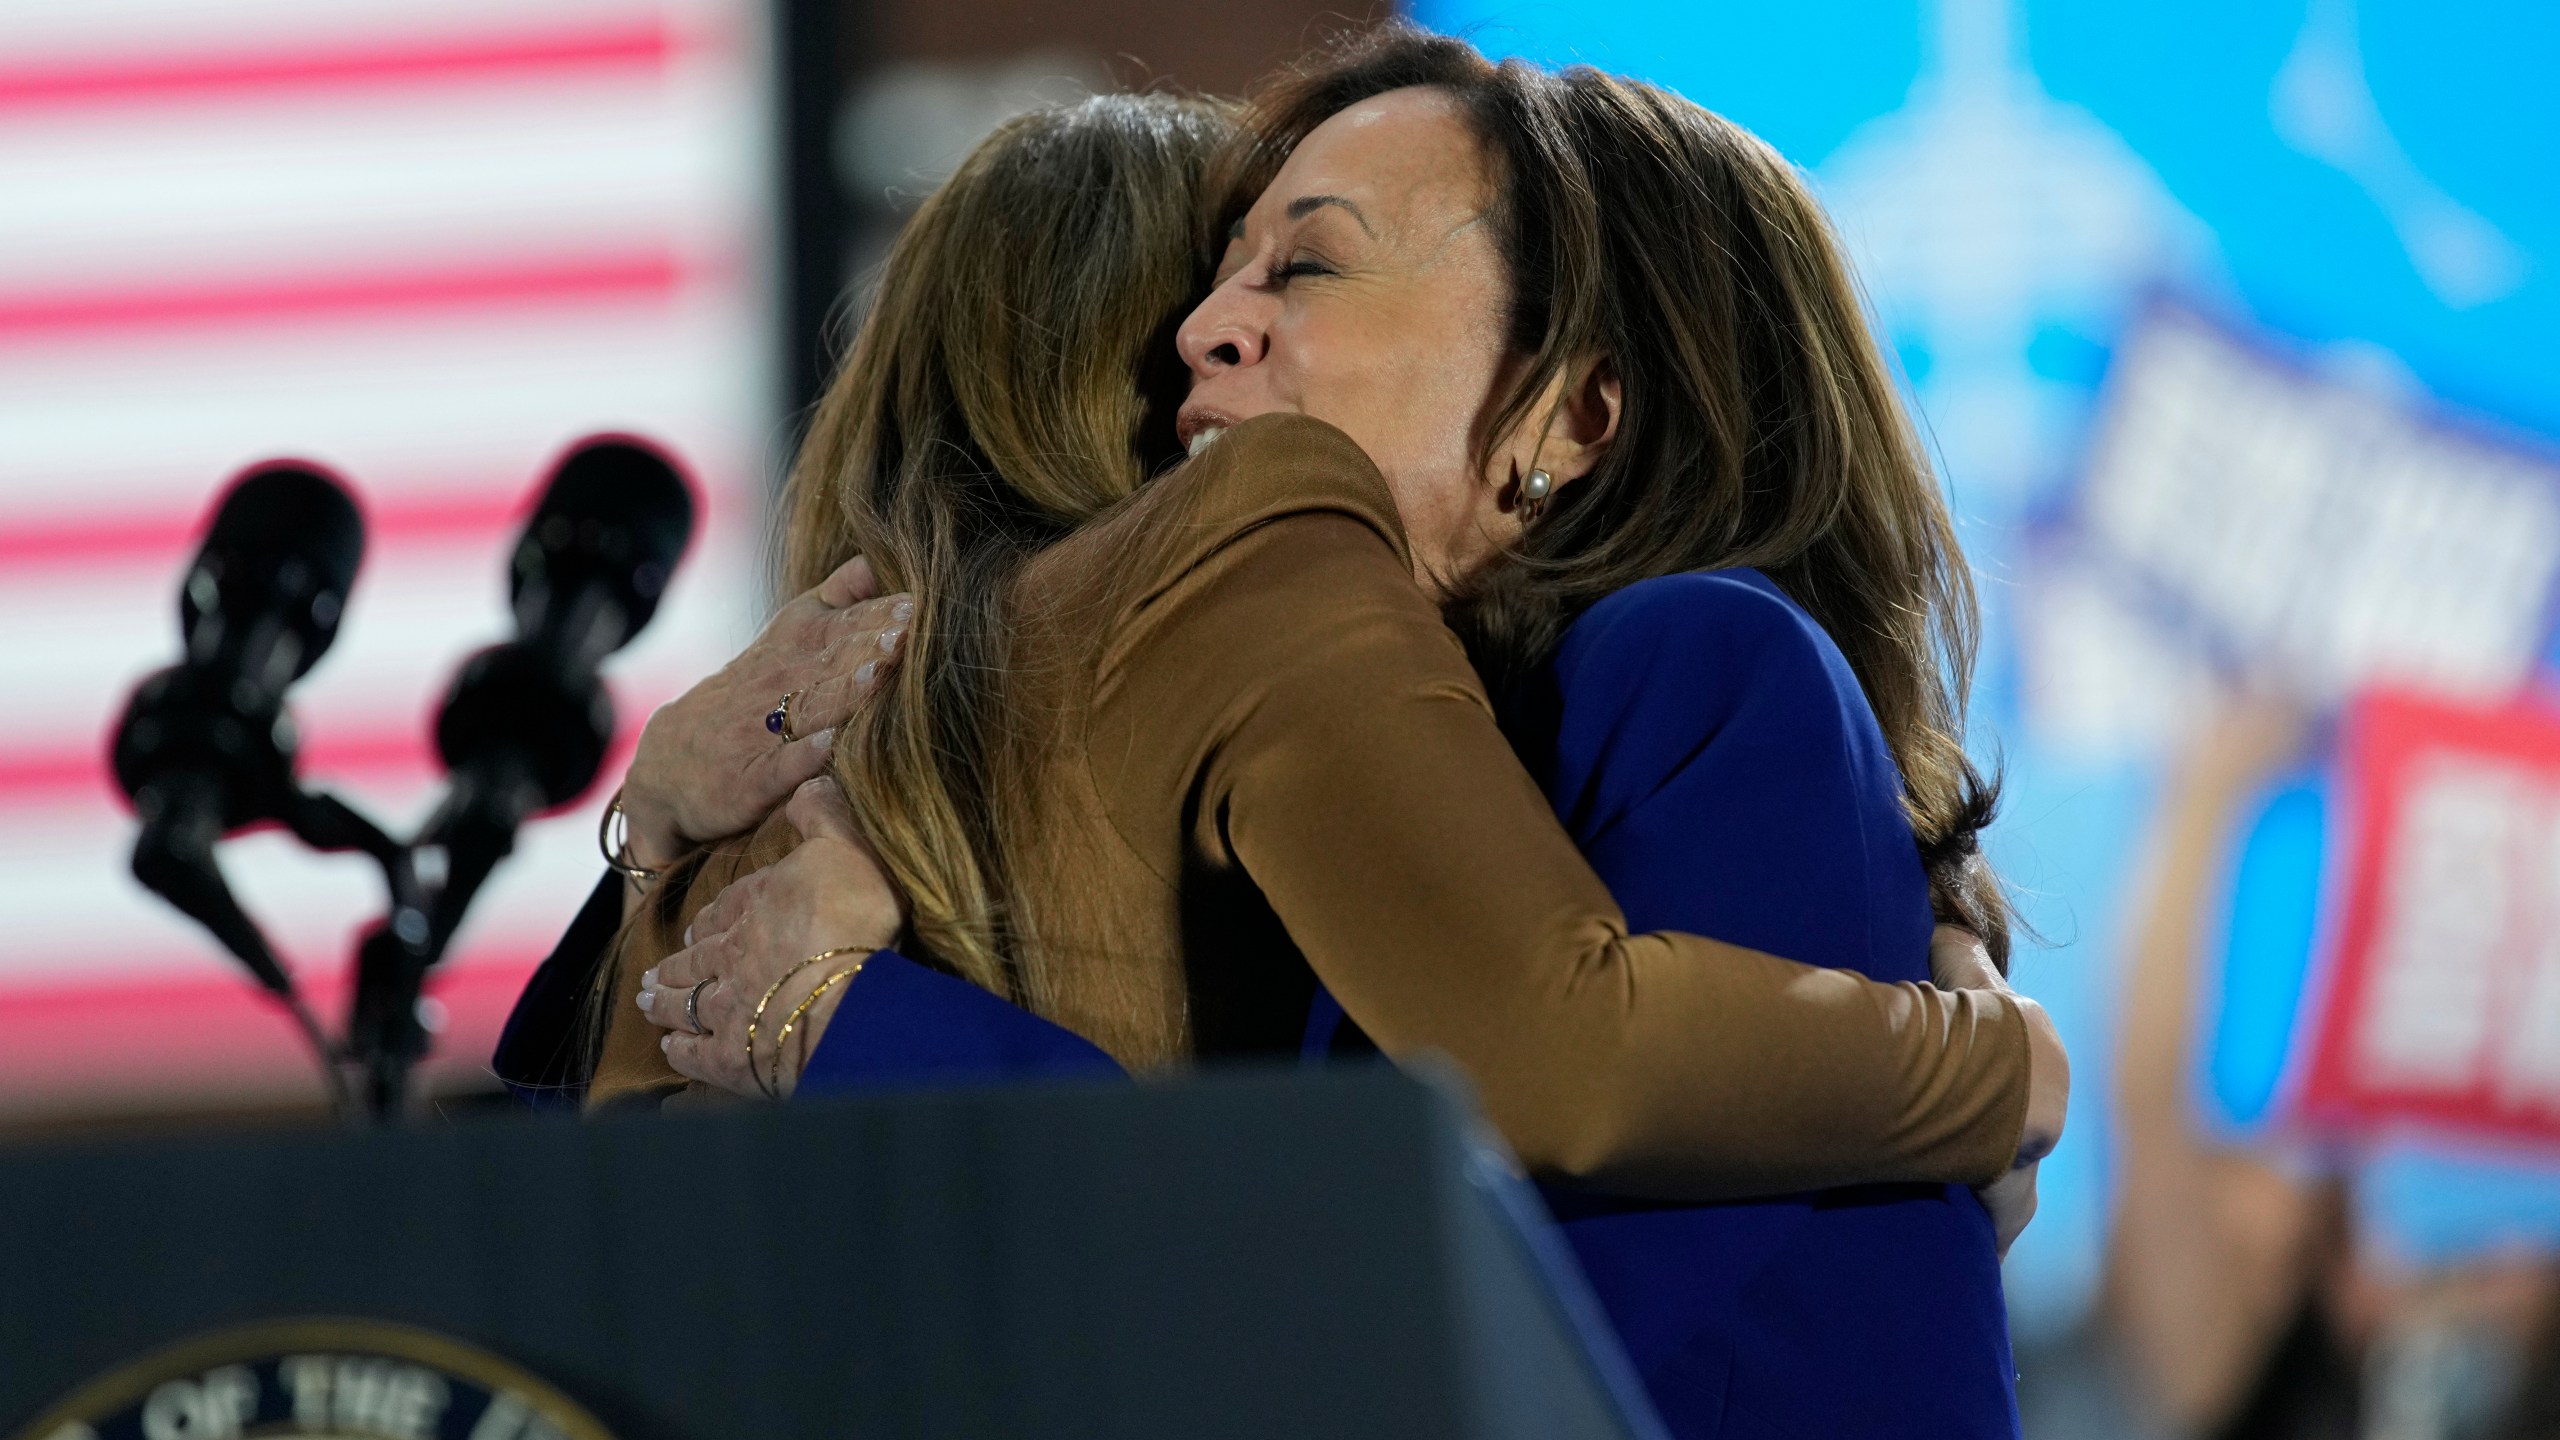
648, 998
666, 1042
688, 940
863, 672
649, 976
889, 638
902, 610
823, 738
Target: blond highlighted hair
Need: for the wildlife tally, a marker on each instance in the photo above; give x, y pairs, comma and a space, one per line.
992, 402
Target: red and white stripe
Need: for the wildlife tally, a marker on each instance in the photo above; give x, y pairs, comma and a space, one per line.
428, 243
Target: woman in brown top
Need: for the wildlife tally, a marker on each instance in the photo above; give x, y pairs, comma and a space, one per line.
1158, 758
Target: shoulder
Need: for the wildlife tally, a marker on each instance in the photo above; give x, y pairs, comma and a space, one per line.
1278, 529
1258, 605
1275, 480
1697, 635
1277, 546
1268, 576
1713, 668
1702, 603
1264, 471
1709, 715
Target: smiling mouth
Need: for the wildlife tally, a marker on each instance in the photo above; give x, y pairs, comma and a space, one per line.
1199, 429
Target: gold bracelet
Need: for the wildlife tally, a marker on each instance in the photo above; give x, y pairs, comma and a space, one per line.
782, 1040
758, 1018
617, 853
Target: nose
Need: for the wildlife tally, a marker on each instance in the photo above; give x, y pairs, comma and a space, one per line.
1227, 330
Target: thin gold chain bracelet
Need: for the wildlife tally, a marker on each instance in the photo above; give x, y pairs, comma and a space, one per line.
782, 1038
757, 1019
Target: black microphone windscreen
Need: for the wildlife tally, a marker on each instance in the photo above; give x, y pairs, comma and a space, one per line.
284, 547
615, 517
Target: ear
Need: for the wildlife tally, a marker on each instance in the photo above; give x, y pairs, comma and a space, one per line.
1584, 421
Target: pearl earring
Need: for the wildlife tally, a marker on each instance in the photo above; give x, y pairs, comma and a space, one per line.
1533, 496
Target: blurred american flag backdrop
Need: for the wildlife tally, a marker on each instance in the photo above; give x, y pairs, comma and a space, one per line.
428, 244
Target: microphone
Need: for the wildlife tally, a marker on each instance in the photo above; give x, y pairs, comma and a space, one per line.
262, 601
204, 746
530, 716
599, 550
526, 725
259, 605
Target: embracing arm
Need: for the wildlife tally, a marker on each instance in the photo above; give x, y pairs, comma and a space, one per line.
1296, 691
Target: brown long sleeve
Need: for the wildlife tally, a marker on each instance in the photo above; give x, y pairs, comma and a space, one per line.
1278, 682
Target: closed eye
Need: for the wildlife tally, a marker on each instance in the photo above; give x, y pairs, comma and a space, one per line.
1298, 269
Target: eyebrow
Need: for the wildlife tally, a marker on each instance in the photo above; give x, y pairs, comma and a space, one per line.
1306, 205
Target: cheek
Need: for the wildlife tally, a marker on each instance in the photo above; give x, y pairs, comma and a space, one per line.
1384, 378
1439, 402
1326, 355
1433, 501
1339, 367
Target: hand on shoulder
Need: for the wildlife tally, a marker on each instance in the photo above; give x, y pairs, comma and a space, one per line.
774, 952
712, 763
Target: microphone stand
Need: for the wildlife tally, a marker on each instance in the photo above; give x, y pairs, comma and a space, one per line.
525, 727
201, 760
470, 833
173, 856
182, 821
431, 881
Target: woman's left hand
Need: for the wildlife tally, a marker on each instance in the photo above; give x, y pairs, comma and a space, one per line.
750, 942
1958, 960
710, 762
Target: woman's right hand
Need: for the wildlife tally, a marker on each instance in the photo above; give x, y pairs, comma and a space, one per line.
1958, 960
752, 953
707, 767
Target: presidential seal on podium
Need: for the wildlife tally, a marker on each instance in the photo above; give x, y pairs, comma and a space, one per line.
316, 1379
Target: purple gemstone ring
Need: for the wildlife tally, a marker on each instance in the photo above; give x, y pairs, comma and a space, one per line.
777, 721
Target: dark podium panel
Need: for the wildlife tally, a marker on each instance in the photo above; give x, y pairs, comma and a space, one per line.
1249, 1255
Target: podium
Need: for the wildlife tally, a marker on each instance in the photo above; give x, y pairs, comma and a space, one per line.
1242, 1255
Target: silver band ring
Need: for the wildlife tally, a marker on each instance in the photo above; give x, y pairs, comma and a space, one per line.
693, 1007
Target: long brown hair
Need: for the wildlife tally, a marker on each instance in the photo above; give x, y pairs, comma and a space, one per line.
1759, 424
991, 403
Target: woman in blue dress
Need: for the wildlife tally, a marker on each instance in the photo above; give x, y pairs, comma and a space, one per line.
1706, 726
1720, 761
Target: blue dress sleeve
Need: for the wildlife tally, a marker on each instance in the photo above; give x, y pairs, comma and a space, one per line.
900, 1025
538, 1056
903, 1025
